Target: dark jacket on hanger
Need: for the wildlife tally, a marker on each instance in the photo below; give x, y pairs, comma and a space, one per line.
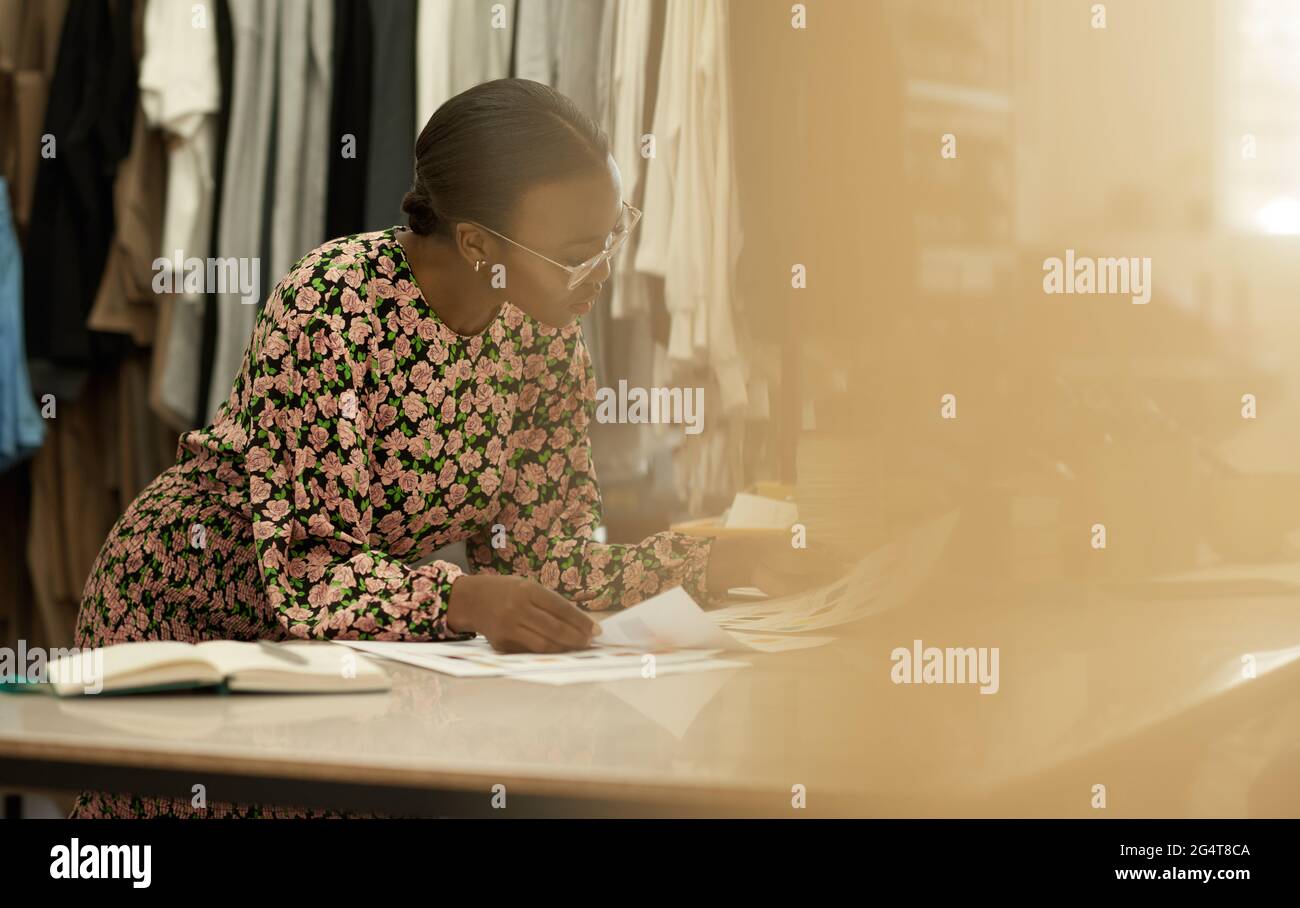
345, 206
89, 117
390, 170
225, 60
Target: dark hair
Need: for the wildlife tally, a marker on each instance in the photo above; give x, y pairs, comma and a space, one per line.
482, 149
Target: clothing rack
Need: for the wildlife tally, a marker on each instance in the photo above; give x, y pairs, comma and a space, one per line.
215, 127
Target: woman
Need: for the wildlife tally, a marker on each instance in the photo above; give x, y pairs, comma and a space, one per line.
398, 395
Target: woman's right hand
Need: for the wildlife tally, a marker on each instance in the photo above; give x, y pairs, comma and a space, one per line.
518, 615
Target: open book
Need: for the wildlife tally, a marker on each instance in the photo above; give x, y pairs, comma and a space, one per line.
300, 667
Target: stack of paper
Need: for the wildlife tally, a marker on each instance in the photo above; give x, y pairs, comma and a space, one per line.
749, 511
477, 659
673, 619
886, 578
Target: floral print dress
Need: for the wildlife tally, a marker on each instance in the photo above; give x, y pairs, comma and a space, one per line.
363, 434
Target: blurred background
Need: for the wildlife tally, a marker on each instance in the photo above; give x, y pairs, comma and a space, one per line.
1165, 130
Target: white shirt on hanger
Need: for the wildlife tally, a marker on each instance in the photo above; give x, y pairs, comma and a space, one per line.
180, 94
248, 142
432, 58
625, 122
482, 32
302, 142
692, 233
458, 44
537, 45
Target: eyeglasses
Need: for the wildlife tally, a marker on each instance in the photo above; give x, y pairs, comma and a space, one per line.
628, 218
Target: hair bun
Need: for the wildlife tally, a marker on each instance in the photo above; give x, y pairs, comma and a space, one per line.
421, 217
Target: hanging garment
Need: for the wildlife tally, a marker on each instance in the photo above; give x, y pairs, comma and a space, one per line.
240, 234
126, 303
89, 119
302, 131
29, 48
537, 40
181, 94
459, 44
627, 118
70, 512
559, 43
81, 471
432, 58
691, 239
272, 176
208, 331
691, 234
21, 428
582, 66
482, 36
18, 618
622, 451
632, 32
99, 453
348, 142
391, 160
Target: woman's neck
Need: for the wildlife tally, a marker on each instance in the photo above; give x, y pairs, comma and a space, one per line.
457, 293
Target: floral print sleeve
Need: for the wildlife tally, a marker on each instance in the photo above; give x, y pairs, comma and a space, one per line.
310, 459
551, 500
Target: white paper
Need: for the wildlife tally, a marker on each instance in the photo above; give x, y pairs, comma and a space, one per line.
477, 659
631, 672
778, 643
672, 619
669, 619
886, 578
758, 512
429, 659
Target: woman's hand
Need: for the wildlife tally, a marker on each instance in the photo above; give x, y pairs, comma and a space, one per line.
771, 564
517, 615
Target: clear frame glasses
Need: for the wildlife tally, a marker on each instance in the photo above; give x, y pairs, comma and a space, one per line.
628, 219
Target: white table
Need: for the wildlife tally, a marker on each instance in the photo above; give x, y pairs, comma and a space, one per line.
1143, 696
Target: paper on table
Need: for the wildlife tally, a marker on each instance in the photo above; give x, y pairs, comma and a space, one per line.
477, 659
840, 603
673, 619
421, 655
754, 511
670, 625
627, 673
886, 578
778, 643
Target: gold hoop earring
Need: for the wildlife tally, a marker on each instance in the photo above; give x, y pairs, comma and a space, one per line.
477, 264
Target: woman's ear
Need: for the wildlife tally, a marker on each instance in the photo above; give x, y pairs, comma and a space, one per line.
471, 243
